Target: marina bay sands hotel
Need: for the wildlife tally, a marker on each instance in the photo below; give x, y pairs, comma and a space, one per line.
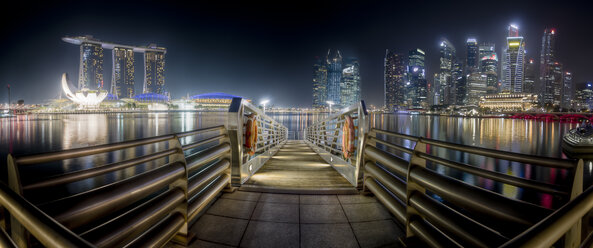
90, 73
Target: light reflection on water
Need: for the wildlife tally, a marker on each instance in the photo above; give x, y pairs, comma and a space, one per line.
41, 133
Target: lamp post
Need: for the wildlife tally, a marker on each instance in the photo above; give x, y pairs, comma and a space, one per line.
8, 86
330, 106
264, 102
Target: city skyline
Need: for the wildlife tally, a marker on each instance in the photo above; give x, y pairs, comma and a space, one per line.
248, 55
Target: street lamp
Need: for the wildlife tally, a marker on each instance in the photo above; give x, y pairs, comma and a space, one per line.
264, 102
330, 106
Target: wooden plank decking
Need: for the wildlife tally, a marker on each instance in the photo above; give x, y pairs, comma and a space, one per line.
296, 168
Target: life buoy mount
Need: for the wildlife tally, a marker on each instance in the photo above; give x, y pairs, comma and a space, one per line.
348, 137
250, 134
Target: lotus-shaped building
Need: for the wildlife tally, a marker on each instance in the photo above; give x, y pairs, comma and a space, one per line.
84, 97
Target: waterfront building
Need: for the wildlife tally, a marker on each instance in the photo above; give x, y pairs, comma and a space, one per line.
472, 50
91, 66
513, 62
583, 99
509, 102
416, 85
529, 84
553, 84
350, 85
444, 88
567, 90
489, 67
154, 69
476, 87
433, 91
84, 97
547, 60
394, 74
319, 83
334, 76
486, 50
217, 100
122, 76
460, 82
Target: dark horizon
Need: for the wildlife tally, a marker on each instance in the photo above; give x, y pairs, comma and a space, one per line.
266, 51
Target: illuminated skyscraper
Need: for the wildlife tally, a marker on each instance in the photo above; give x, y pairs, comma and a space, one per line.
529, 85
460, 81
513, 62
472, 55
489, 66
476, 88
547, 64
350, 85
394, 74
122, 81
567, 90
444, 89
583, 99
319, 83
122, 77
553, 84
91, 66
154, 71
416, 88
334, 76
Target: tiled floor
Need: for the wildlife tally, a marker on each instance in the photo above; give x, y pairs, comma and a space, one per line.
251, 219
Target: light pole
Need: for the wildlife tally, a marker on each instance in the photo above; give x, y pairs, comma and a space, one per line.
330, 106
8, 86
264, 102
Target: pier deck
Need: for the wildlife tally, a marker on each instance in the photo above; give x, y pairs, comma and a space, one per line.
296, 168
253, 219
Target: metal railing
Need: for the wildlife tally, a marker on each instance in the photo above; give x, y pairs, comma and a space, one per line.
271, 136
169, 187
325, 138
464, 215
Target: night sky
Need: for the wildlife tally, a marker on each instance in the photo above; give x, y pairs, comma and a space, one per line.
266, 50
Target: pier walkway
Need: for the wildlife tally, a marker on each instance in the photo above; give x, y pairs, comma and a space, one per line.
296, 168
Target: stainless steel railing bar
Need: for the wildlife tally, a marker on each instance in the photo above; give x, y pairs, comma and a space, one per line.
500, 177
478, 199
48, 231
197, 160
200, 131
391, 145
80, 209
129, 225
197, 181
203, 142
547, 231
85, 151
85, 174
511, 156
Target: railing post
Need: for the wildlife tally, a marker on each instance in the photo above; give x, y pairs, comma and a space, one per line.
362, 131
234, 127
572, 238
182, 237
411, 186
17, 231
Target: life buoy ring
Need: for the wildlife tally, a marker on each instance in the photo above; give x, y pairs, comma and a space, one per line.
251, 135
348, 137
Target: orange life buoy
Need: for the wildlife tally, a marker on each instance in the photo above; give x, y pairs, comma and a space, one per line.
251, 134
348, 137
